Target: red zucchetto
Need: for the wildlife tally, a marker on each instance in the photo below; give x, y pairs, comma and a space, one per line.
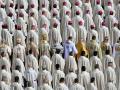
77, 3
100, 12
69, 22
92, 26
111, 12
4, 26
80, 23
64, 4
67, 12
77, 12
115, 24
54, 6
11, 5
32, 14
21, 15
109, 4
87, 11
98, 2
21, 6
43, 5
103, 23
19, 27
54, 14
10, 14
32, 5
55, 25
2, 6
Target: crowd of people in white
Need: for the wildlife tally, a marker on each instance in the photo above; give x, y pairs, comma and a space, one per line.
59, 44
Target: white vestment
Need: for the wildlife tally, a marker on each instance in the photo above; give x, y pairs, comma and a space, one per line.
30, 59
18, 62
92, 33
57, 59
45, 87
83, 61
16, 86
116, 54
88, 21
4, 86
35, 11
106, 60
76, 86
34, 35
55, 36
42, 20
61, 86
6, 62
29, 88
45, 62
110, 86
7, 37
114, 34
7, 75
70, 64
56, 77
110, 75
44, 2
96, 60
92, 86
19, 50
69, 79
32, 21
98, 20
22, 23
82, 33
31, 75
84, 79
71, 32
18, 74
76, 8
18, 34
11, 24
33, 2
102, 33
44, 75
2, 14
99, 79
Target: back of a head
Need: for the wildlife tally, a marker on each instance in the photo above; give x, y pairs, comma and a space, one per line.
110, 64
62, 80
70, 38
29, 84
4, 78
17, 68
83, 68
3, 67
31, 39
71, 70
57, 66
71, 53
30, 51
58, 51
118, 40
83, 53
107, 52
95, 53
96, 66
76, 80
3, 54
93, 37
92, 80
16, 79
